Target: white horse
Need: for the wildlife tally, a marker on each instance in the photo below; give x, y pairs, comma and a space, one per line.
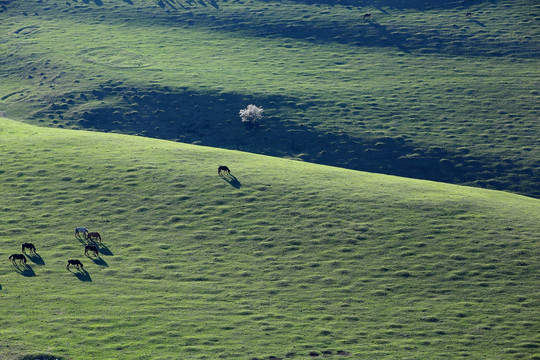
81, 230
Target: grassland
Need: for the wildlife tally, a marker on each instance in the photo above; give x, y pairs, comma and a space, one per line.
419, 90
286, 260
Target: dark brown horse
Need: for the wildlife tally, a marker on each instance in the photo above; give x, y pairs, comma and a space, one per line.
224, 169
29, 246
93, 235
20, 257
367, 16
92, 248
74, 262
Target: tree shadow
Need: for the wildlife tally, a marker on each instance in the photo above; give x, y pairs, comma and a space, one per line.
98, 261
24, 270
103, 249
36, 259
232, 180
82, 275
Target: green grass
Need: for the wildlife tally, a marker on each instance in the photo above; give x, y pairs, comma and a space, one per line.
418, 91
292, 259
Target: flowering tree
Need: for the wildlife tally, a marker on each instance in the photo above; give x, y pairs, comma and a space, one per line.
251, 115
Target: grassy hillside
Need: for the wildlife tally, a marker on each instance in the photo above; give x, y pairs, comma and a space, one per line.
419, 90
285, 260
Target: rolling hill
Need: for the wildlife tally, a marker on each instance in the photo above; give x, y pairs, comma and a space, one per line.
418, 89
282, 260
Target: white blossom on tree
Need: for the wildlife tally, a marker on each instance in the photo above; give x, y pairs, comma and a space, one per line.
251, 115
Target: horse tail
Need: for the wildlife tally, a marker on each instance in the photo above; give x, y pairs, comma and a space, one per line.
11, 257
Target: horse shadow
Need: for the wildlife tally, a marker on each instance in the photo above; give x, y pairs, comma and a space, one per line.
81, 240
98, 261
25, 270
477, 22
82, 275
232, 180
103, 249
36, 259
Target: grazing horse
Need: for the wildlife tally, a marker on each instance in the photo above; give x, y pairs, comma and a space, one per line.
91, 235
20, 257
81, 230
223, 168
468, 14
29, 246
76, 263
92, 248
367, 16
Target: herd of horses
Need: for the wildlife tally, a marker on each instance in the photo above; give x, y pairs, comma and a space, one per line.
90, 239
81, 233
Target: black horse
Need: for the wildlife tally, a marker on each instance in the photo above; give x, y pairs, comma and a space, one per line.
29, 246
76, 263
92, 248
224, 169
20, 257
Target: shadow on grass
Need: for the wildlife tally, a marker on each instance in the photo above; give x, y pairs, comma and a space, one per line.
24, 270
98, 261
477, 22
398, 4
97, 2
81, 239
36, 259
361, 33
211, 119
104, 250
40, 357
82, 275
232, 180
